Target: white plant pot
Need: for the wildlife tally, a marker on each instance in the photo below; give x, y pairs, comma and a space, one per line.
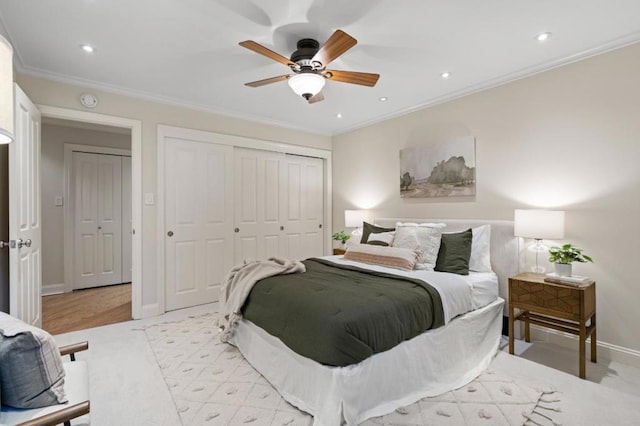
563, 269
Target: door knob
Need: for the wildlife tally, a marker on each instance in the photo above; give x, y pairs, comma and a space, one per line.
20, 243
320, 226
170, 233
236, 230
4, 244
282, 228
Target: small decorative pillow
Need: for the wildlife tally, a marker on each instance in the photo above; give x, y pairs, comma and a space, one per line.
391, 257
381, 239
31, 372
423, 236
454, 253
480, 260
368, 229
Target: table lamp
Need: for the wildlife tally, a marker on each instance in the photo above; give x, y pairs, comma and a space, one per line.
354, 219
539, 225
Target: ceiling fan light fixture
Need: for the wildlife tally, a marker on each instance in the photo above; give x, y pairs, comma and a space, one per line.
306, 84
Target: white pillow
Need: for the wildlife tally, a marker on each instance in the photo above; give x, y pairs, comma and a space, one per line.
382, 238
423, 236
392, 257
480, 260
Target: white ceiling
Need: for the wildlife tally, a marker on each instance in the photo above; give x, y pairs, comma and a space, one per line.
186, 51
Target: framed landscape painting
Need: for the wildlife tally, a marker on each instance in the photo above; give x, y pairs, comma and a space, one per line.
439, 170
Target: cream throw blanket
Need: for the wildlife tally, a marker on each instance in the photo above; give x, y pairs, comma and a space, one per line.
238, 283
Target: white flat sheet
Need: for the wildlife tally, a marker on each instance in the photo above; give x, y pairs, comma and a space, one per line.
459, 293
429, 364
484, 288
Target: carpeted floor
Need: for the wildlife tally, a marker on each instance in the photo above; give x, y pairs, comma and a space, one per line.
128, 386
212, 384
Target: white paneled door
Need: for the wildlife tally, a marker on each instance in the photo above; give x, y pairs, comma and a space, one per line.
127, 222
303, 195
198, 220
259, 178
97, 191
279, 205
25, 259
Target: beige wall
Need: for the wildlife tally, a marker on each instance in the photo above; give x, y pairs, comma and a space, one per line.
567, 139
52, 172
151, 114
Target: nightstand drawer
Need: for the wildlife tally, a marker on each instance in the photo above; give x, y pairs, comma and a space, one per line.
560, 299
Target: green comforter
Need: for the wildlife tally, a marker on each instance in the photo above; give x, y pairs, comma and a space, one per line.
339, 315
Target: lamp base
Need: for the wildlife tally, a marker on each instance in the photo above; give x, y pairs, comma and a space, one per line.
538, 269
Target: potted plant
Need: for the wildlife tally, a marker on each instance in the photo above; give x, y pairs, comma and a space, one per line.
563, 256
342, 237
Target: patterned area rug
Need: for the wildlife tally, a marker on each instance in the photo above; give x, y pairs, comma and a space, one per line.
212, 384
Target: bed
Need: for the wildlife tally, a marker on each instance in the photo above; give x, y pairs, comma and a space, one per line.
431, 363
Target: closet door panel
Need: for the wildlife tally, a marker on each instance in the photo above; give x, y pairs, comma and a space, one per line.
198, 220
217, 256
186, 272
85, 193
109, 219
127, 222
258, 210
304, 195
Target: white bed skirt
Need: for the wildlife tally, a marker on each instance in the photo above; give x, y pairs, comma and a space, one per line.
430, 364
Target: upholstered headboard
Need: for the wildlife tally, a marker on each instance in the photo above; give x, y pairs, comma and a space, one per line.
505, 255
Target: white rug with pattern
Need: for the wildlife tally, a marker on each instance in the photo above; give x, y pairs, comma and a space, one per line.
212, 384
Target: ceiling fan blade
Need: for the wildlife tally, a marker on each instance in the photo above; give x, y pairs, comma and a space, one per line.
316, 98
338, 43
258, 48
362, 78
267, 81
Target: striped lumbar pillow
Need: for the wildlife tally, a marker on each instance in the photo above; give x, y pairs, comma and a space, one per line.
392, 257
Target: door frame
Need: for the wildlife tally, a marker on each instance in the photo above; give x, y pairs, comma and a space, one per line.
136, 186
67, 195
165, 132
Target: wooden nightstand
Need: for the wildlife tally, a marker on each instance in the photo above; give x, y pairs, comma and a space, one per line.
561, 307
338, 251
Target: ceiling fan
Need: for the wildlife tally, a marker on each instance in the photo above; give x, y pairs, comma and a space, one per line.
309, 66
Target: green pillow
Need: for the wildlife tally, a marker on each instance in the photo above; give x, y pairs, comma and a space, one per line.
368, 228
454, 254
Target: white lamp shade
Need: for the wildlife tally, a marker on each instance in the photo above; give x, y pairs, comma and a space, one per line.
6, 91
306, 84
539, 224
354, 218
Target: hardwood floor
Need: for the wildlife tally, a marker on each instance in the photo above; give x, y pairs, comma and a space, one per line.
88, 308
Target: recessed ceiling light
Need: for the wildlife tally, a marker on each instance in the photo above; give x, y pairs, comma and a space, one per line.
338, 115
445, 75
383, 99
543, 37
87, 48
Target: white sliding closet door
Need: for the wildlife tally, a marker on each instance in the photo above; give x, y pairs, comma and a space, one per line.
259, 179
127, 222
97, 182
198, 220
304, 207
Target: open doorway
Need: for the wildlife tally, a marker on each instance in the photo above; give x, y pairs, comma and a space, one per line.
87, 211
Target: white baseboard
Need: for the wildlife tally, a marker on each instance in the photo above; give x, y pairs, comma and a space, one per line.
51, 289
605, 350
150, 310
